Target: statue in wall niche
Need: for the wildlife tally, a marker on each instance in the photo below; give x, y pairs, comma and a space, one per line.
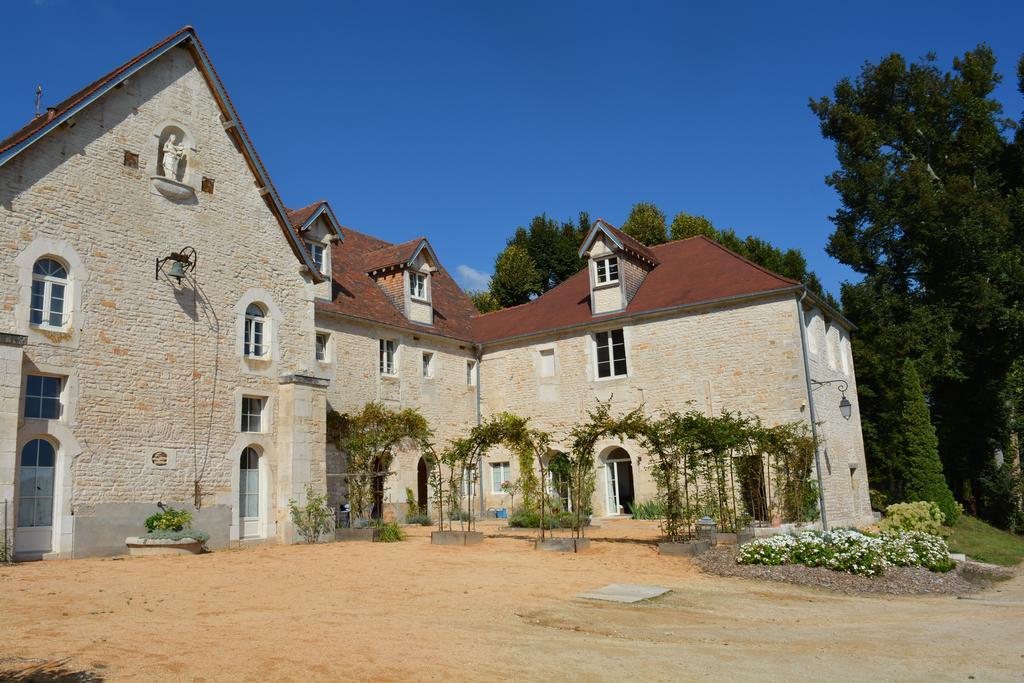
174, 155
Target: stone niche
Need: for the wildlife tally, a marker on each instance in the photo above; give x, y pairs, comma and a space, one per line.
173, 162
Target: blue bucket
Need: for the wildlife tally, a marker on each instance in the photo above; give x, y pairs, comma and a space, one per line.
502, 513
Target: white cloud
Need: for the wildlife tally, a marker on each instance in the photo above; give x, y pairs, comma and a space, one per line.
470, 278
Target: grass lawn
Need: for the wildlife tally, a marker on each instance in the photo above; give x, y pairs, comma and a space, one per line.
986, 543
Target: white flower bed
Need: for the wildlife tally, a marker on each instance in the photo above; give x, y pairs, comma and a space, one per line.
850, 551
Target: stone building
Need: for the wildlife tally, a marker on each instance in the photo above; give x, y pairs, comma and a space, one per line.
170, 331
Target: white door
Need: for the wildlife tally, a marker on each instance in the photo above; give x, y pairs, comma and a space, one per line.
249, 493
612, 479
35, 498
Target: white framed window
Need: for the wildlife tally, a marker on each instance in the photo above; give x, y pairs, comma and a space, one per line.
467, 482
611, 353
388, 350
428, 364
252, 413
418, 285
316, 251
42, 397
255, 345
322, 338
607, 270
471, 373
500, 473
49, 290
547, 363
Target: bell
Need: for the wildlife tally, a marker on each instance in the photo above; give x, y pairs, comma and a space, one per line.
176, 271
845, 407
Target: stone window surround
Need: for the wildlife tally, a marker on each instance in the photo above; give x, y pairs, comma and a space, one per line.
328, 358
325, 254
265, 365
540, 350
395, 356
410, 277
45, 247
428, 364
503, 468
472, 371
266, 418
68, 393
592, 350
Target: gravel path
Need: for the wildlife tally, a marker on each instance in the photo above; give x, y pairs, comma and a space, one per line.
895, 581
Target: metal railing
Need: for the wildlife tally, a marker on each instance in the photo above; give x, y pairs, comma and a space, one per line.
7, 538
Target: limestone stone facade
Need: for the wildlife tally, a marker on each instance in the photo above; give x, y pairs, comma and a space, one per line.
211, 390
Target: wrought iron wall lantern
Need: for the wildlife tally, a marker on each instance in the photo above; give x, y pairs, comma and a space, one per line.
182, 262
845, 407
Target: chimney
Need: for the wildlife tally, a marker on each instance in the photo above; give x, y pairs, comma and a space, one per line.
50, 113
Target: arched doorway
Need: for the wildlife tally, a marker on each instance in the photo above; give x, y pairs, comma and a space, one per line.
422, 476
249, 518
34, 533
619, 482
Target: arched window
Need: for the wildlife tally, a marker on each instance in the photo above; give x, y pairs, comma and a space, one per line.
35, 484
249, 492
49, 286
255, 342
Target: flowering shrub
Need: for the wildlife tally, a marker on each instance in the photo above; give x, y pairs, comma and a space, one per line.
920, 516
850, 551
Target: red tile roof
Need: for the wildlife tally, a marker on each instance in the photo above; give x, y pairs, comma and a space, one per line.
392, 255
356, 294
690, 271
298, 217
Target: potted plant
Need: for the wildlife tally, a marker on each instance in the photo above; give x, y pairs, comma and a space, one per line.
168, 532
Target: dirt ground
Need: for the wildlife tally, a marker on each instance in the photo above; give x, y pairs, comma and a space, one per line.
496, 611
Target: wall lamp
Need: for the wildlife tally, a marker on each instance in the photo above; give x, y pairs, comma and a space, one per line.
182, 262
845, 407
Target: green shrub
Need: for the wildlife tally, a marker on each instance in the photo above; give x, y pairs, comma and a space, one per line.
169, 519
420, 518
879, 499
315, 518
390, 532
556, 519
920, 516
200, 536
649, 509
458, 516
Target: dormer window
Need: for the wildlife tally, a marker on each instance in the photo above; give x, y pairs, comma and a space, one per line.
607, 270
418, 286
316, 251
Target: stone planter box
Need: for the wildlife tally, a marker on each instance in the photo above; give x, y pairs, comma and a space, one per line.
691, 549
140, 546
738, 538
563, 545
456, 537
368, 534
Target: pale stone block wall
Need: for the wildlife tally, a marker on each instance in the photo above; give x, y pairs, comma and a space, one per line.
129, 350
746, 357
445, 400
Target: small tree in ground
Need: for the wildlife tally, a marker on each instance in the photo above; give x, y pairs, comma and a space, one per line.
314, 519
918, 448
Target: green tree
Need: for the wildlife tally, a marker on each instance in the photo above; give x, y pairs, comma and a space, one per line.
932, 217
516, 278
484, 301
687, 225
646, 224
918, 448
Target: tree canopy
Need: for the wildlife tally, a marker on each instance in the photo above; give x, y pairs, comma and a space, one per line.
932, 216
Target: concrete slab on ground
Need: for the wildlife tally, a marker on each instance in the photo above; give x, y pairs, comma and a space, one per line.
624, 592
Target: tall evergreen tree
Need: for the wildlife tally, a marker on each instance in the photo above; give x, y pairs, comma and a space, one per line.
918, 448
646, 224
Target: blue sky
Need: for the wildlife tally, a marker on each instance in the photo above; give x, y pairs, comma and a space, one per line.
461, 120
